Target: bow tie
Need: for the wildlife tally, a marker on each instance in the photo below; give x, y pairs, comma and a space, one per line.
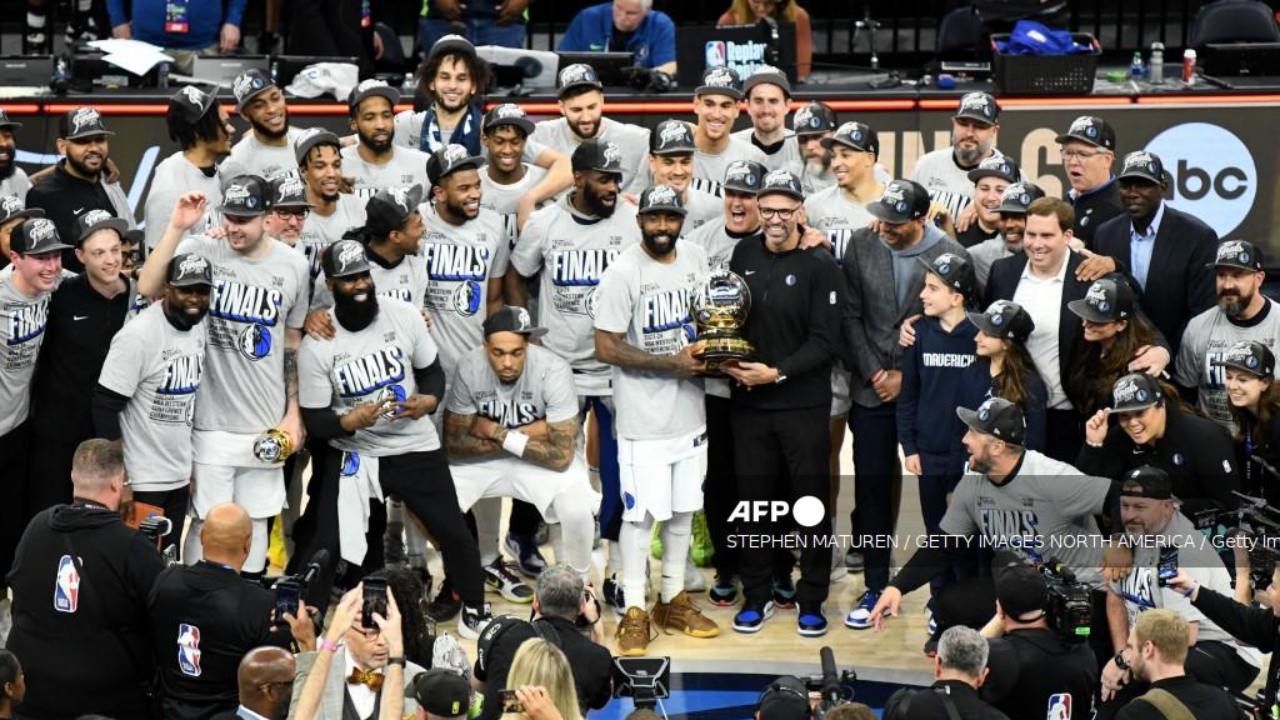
369, 678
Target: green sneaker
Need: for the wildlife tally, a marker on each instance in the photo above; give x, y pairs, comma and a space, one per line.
701, 551
655, 541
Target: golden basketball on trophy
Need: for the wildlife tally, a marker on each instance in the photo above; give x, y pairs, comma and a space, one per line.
720, 309
273, 446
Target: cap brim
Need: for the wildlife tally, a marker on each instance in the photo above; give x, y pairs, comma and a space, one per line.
830, 142
189, 282
1237, 266
531, 332
970, 418
1135, 175
779, 191
474, 162
682, 212
1012, 209
1133, 407
10, 124
1061, 139
689, 150
451, 47
26, 214
880, 212
741, 188
121, 226
976, 175
976, 118
240, 212
293, 203
95, 133
734, 93
1238, 366
240, 105
984, 324
56, 247
1083, 311
389, 94
522, 123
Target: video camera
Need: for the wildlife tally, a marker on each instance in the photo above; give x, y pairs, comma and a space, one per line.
291, 590
155, 528
834, 685
1070, 612
1253, 519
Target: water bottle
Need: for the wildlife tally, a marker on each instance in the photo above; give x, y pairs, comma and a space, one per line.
1136, 68
1189, 66
1156, 73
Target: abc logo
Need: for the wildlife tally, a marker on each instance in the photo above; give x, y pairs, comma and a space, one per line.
1212, 173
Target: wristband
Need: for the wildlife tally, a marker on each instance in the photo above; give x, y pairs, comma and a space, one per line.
1192, 590
515, 442
327, 644
398, 660
1092, 444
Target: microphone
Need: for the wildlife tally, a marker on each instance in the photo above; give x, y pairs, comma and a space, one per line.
830, 676
319, 561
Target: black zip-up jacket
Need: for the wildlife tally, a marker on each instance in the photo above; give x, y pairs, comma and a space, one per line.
64, 198
82, 633
797, 302
1256, 626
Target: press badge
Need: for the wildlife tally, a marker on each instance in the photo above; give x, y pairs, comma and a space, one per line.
175, 16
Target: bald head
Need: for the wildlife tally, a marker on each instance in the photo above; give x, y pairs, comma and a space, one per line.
266, 681
226, 534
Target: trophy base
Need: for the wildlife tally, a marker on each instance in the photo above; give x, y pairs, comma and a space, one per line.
718, 351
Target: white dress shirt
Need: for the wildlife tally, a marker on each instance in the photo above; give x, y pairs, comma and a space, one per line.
362, 696
248, 714
1042, 299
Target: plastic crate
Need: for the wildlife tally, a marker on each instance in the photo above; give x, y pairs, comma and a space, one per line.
1045, 74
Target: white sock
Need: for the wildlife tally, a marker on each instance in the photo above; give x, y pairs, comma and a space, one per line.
488, 512
634, 540
577, 530
415, 542
676, 536
192, 551
614, 563
257, 560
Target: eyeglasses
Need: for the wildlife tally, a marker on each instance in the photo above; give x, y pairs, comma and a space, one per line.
1080, 155
300, 213
783, 214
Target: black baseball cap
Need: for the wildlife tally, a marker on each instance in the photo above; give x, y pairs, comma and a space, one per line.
1005, 320
720, 80
391, 208
1018, 197
82, 122
186, 270
191, 103
507, 114
13, 207
599, 155
450, 159
955, 270
856, 135
372, 88
512, 319
6, 121
1020, 589
661, 198
1090, 129
786, 698
744, 176
288, 191
766, 75
98, 219
442, 693
902, 201
1142, 165
36, 236
814, 118
1107, 300
344, 258
246, 196
1000, 166
1147, 481
577, 77
1250, 356
451, 44
978, 106
248, 85
1240, 254
1135, 391
998, 417
671, 137
781, 182
314, 137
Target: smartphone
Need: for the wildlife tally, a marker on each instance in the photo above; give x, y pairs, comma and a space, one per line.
375, 601
288, 598
510, 703
1168, 568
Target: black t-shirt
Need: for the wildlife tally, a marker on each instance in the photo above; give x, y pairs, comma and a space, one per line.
64, 198
974, 234
1205, 702
591, 664
1032, 670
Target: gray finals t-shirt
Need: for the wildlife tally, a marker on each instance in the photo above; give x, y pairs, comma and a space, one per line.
632, 140
406, 168
709, 170
572, 255
252, 156
701, 207
503, 199
544, 390
406, 281
1207, 339
786, 158
253, 302
948, 183
173, 177
362, 367
158, 367
1046, 511
22, 324
831, 209
460, 261
652, 303
321, 231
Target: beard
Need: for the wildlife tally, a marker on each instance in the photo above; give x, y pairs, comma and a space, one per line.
658, 244
180, 319
1232, 304
83, 169
377, 147
8, 167
458, 210
268, 133
595, 129
970, 158
595, 206
355, 315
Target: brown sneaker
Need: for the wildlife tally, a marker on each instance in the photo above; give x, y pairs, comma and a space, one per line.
634, 632
681, 614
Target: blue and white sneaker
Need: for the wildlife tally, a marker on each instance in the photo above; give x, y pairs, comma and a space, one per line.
528, 558
860, 617
812, 621
751, 619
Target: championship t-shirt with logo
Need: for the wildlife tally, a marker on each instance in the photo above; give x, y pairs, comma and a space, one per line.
701, 207
253, 157
786, 157
158, 367
831, 209
174, 177
811, 181
1206, 340
948, 183
709, 170
406, 168
406, 281
253, 301
461, 260
321, 231
367, 366
652, 302
22, 324
632, 140
503, 199
1037, 514
544, 390
572, 253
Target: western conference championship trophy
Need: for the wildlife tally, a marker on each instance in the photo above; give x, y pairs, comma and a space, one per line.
273, 446
720, 309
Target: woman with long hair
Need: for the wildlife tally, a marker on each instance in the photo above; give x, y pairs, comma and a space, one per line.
1004, 368
1114, 334
1255, 408
540, 665
13, 684
750, 12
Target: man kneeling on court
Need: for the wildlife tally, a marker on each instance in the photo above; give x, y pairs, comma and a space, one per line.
511, 430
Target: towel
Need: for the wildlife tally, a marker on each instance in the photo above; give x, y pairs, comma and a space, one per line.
357, 485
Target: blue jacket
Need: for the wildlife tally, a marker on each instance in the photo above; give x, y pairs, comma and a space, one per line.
654, 42
978, 389
204, 18
934, 372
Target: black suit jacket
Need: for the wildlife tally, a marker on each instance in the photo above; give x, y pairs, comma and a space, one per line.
1180, 283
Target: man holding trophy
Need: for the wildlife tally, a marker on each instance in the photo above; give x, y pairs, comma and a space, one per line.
247, 419
782, 397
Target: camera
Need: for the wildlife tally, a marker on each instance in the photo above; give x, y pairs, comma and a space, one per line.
644, 679
291, 590
1256, 521
1070, 611
155, 528
835, 686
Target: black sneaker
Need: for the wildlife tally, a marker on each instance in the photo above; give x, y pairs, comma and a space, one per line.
528, 558
473, 620
498, 576
784, 593
611, 591
855, 560
446, 604
724, 592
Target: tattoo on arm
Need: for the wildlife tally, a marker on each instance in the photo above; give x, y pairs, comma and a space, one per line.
291, 374
613, 350
556, 452
460, 443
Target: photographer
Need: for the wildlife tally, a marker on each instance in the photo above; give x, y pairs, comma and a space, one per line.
215, 616
1157, 651
1030, 664
1165, 541
960, 668
567, 615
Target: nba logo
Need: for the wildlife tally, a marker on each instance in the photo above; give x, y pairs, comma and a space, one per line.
1059, 707
189, 649
715, 52
66, 590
